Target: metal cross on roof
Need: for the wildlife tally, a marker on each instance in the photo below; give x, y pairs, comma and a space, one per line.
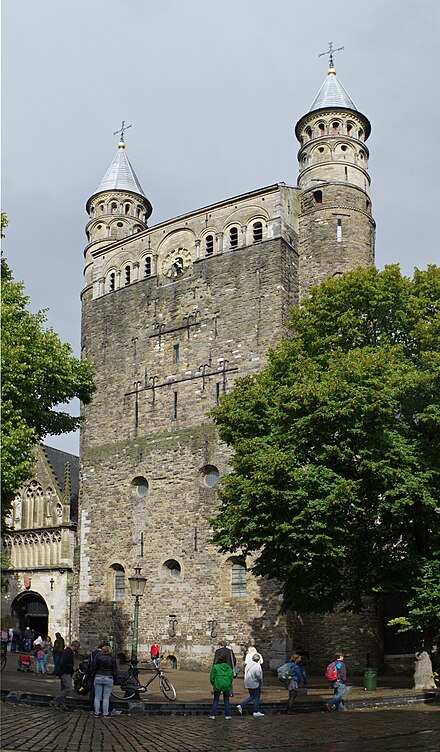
330, 52
122, 129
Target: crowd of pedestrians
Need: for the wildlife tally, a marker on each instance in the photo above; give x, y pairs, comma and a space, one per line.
100, 673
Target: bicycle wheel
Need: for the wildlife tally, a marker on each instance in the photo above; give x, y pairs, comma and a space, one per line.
124, 691
167, 688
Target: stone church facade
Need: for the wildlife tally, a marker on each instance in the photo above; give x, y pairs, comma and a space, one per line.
172, 314
40, 545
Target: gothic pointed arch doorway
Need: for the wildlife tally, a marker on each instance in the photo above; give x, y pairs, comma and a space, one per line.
30, 610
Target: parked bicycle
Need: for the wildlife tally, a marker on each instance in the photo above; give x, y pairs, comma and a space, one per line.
129, 685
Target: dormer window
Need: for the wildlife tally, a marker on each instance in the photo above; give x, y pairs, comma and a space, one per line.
209, 245
257, 232
233, 237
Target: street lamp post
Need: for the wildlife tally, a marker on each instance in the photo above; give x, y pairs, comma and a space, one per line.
137, 587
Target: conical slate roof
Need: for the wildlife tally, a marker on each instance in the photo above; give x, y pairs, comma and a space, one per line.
120, 176
332, 94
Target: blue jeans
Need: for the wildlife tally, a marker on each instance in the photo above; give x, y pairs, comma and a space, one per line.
336, 700
254, 696
56, 660
103, 688
214, 705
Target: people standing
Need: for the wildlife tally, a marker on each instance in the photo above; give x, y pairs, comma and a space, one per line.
57, 651
39, 660
155, 655
298, 680
221, 677
230, 658
105, 674
253, 681
338, 683
47, 651
65, 669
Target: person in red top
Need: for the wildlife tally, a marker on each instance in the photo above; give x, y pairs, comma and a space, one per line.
155, 655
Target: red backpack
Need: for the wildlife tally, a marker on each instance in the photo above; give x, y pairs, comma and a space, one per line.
331, 672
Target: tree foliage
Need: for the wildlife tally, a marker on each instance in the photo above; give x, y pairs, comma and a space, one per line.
335, 481
39, 373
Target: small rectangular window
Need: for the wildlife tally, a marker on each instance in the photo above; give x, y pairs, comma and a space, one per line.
175, 353
175, 406
238, 580
233, 237
339, 230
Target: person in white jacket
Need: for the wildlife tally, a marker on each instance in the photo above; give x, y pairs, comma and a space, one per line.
253, 680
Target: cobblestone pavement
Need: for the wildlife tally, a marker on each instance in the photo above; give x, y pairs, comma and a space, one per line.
414, 728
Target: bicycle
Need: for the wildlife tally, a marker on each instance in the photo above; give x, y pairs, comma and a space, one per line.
130, 685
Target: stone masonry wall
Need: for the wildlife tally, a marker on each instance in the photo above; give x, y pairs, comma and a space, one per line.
237, 304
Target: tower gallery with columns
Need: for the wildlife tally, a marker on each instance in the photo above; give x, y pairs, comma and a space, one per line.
172, 315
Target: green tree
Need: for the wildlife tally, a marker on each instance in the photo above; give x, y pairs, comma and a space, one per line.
335, 482
39, 373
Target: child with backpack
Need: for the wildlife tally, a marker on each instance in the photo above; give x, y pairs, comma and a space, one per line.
40, 663
294, 677
221, 677
336, 673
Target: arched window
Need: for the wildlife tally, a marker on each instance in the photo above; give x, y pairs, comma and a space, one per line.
101, 208
309, 132
138, 211
233, 237
111, 281
360, 133
127, 209
209, 245
257, 232
321, 127
335, 127
114, 207
172, 568
127, 275
118, 583
147, 267
349, 128
238, 579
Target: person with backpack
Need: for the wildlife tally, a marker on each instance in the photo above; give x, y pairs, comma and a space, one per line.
294, 676
221, 677
336, 673
253, 680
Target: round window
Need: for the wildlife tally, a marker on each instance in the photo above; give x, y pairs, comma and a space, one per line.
140, 486
172, 567
210, 476
120, 224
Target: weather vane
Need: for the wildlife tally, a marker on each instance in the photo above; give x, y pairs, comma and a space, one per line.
122, 129
330, 52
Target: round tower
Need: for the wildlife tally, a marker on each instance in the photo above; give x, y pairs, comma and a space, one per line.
336, 227
117, 209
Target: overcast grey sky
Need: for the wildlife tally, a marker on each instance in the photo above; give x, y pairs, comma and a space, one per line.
213, 89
